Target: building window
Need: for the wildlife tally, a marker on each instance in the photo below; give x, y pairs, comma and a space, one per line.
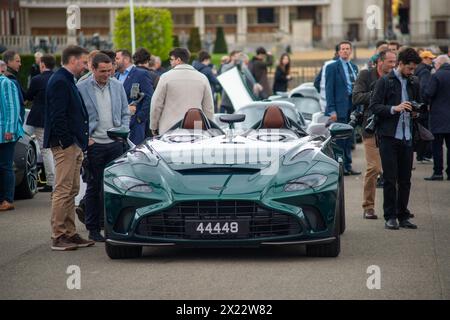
441, 30
218, 19
353, 32
183, 19
266, 15
13, 23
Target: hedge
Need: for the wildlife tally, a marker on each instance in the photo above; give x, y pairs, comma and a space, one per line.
220, 45
194, 42
27, 62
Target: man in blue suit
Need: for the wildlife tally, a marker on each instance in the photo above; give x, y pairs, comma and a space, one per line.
139, 88
340, 78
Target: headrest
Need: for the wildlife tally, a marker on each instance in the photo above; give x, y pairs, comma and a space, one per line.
192, 116
273, 118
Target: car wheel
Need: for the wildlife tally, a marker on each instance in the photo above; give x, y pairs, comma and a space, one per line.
28, 187
123, 252
329, 250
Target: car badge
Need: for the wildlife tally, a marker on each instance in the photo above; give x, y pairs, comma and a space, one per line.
217, 188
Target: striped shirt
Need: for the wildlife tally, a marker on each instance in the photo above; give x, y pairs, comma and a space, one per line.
9, 110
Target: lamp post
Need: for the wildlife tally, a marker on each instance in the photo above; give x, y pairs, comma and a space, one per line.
390, 24
133, 36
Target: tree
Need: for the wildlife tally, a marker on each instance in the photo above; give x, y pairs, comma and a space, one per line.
176, 41
194, 43
153, 29
220, 46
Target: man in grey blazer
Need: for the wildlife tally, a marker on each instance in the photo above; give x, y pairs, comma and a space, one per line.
107, 106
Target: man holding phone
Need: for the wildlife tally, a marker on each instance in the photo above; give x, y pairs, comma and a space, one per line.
139, 89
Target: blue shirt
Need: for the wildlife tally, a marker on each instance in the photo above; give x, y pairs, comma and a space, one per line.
345, 65
403, 131
10, 121
123, 76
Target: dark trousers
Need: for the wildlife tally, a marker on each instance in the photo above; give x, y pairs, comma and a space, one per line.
7, 177
346, 146
396, 160
438, 153
226, 109
99, 155
424, 148
137, 133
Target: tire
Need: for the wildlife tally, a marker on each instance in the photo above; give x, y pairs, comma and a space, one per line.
28, 187
328, 250
342, 207
123, 252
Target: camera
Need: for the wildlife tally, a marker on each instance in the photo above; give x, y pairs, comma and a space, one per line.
416, 106
356, 118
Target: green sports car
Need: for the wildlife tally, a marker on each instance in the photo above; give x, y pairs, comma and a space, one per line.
199, 186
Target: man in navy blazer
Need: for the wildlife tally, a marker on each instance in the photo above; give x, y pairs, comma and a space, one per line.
340, 79
66, 132
139, 87
37, 93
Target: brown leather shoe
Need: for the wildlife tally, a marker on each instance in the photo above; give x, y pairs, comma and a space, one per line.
5, 206
63, 244
370, 214
80, 242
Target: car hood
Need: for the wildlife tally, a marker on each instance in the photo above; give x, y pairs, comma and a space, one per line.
221, 178
219, 151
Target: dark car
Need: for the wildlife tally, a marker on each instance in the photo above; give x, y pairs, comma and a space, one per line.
26, 167
27, 164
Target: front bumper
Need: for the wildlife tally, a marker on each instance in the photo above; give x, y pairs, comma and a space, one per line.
314, 214
169, 244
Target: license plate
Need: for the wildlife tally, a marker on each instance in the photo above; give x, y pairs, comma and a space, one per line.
217, 228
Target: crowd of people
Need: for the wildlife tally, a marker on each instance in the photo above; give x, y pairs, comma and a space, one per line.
402, 94
74, 106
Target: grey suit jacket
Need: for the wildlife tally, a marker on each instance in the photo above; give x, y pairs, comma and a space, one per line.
119, 101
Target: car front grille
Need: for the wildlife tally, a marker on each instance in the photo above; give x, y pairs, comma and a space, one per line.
263, 222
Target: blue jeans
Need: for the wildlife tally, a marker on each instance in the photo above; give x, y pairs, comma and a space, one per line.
137, 133
7, 177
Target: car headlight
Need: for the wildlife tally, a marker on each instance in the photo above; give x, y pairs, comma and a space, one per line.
131, 184
306, 182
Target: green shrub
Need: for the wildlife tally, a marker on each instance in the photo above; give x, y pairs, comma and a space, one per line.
194, 43
153, 29
220, 45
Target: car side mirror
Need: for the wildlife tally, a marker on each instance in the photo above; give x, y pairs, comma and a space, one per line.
118, 133
340, 131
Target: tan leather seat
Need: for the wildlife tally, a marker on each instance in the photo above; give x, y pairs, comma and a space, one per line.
192, 116
273, 118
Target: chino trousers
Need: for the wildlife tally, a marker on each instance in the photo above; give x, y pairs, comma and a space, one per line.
67, 184
373, 169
